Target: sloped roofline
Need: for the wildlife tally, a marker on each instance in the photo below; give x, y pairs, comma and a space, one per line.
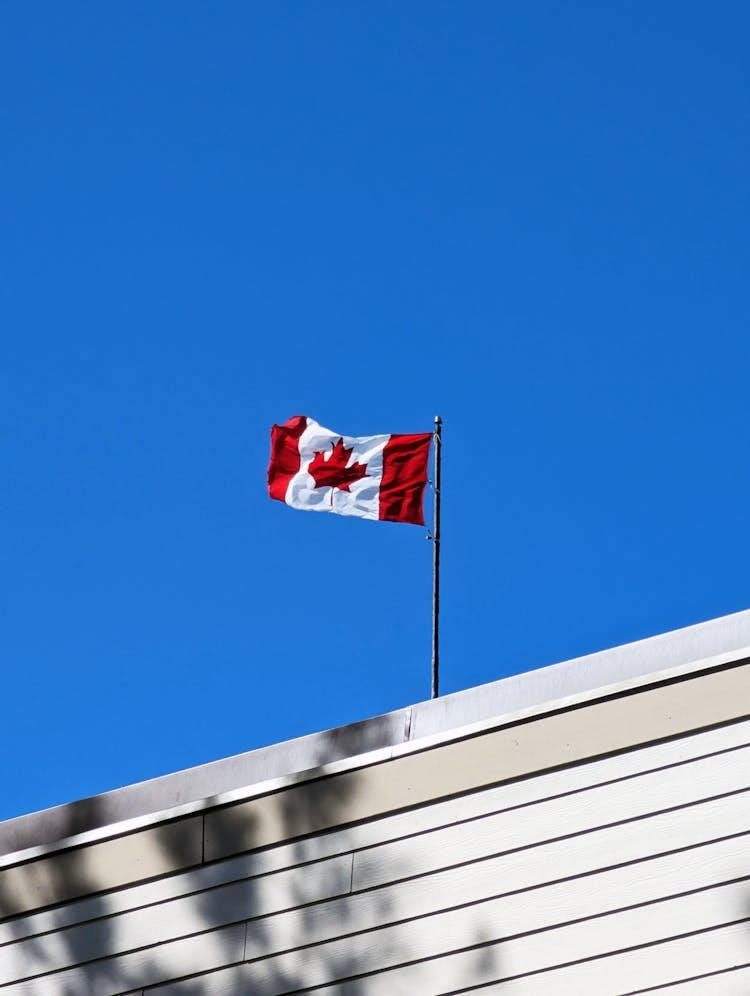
692, 648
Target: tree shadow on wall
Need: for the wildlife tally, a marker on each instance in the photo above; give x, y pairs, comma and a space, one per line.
268, 906
83, 944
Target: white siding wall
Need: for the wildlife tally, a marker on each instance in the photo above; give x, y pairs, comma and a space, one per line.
620, 874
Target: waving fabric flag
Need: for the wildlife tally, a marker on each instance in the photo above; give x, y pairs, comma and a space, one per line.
373, 477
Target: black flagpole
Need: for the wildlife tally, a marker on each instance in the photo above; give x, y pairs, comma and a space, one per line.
436, 560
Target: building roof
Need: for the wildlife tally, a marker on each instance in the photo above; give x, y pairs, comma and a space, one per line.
650, 661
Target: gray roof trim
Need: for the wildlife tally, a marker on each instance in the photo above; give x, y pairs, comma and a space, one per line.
370, 741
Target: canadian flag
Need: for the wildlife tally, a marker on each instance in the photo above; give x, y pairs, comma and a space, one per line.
373, 477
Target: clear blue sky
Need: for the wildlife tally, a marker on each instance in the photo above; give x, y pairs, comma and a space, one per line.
528, 217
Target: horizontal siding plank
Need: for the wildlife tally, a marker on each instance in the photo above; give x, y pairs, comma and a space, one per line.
177, 918
541, 906
590, 774
734, 982
713, 773
571, 814
614, 975
727, 747
147, 967
483, 891
712, 951
464, 928
576, 855
233, 981
523, 749
531, 867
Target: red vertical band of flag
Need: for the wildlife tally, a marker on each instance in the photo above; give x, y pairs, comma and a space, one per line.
285, 458
404, 477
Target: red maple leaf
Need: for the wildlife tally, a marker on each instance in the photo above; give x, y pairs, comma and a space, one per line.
333, 472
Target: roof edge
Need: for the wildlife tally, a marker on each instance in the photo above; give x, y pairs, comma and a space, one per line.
475, 707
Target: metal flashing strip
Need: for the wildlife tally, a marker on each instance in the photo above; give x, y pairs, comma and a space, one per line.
642, 658
270, 787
